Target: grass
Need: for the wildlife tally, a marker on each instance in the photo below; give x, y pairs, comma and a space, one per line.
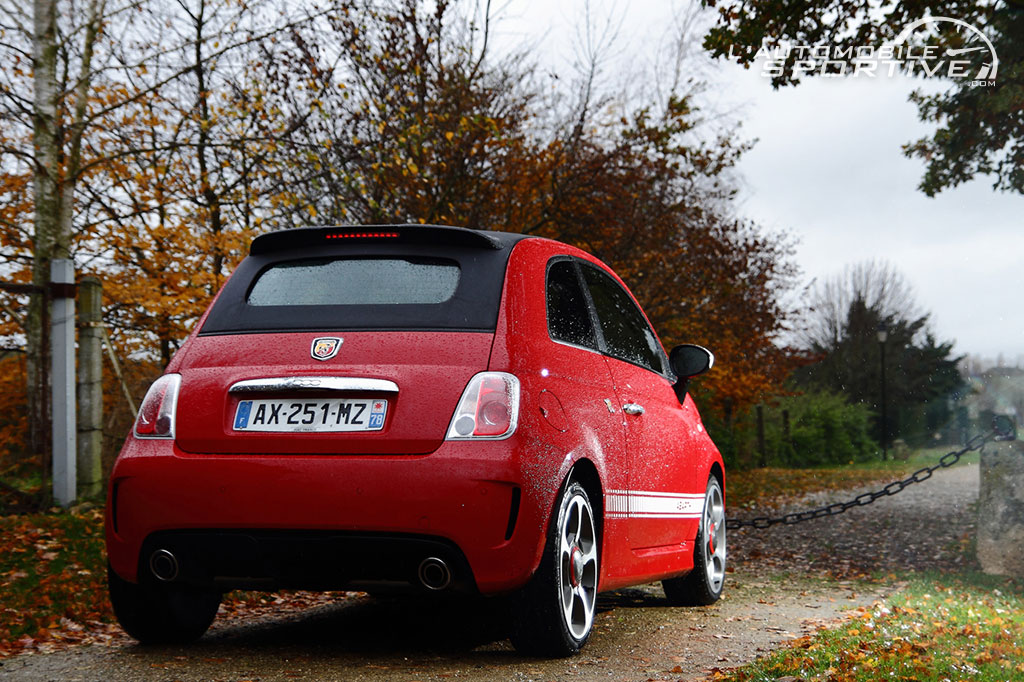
917, 460
21, 489
771, 486
937, 628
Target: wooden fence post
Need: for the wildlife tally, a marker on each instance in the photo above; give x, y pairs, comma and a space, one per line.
761, 449
90, 387
787, 438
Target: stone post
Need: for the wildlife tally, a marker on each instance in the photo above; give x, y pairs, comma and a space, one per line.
1001, 509
90, 387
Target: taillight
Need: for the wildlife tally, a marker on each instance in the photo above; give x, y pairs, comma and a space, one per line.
156, 416
489, 408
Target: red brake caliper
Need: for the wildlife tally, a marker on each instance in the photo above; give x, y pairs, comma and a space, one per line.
574, 569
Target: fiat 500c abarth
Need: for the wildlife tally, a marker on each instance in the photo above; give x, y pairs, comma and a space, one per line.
428, 407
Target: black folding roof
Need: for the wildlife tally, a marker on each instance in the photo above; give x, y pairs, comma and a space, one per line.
482, 258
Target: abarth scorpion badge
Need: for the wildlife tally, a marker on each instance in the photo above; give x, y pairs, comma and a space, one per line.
325, 347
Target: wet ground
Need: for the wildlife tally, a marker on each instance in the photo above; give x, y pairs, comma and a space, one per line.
787, 581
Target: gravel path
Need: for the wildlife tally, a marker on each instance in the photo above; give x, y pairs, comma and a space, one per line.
785, 581
926, 526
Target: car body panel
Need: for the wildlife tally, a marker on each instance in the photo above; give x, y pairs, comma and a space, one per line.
492, 499
575, 380
430, 369
382, 494
655, 437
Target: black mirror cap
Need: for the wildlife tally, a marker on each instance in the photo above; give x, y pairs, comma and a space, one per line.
1004, 428
689, 360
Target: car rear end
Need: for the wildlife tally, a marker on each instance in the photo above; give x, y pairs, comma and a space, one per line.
333, 422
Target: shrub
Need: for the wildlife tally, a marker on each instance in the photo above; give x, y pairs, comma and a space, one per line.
824, 429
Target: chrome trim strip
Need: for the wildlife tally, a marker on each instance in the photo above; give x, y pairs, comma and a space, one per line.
287, 384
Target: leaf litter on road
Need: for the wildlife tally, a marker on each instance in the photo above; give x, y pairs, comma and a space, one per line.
829, 554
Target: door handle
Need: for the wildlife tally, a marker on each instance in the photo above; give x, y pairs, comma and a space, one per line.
633, 408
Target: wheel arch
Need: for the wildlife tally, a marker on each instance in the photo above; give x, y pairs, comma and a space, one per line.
542, 623
719, 472
585, 472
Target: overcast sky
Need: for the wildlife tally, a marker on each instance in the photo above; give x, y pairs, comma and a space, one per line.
827, 169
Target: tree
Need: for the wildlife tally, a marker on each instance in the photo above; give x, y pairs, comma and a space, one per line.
846, 312
87, 81
57, 113
874, 285
979, 128
241, 120
201, 167
416, 121
423, 123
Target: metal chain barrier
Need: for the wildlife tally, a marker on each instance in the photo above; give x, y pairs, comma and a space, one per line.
998, 432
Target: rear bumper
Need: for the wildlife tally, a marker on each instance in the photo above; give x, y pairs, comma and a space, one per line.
315, 560
325, 522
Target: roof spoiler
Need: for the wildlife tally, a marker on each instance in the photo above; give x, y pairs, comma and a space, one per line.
300, 237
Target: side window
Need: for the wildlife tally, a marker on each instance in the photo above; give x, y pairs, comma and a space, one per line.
625, 330
568, 317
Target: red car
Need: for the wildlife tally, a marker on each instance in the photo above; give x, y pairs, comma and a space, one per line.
431, 408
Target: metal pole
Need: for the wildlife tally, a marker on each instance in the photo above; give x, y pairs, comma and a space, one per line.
62, 320
885, 418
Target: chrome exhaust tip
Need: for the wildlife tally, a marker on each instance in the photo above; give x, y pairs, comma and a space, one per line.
163, 565
434, 574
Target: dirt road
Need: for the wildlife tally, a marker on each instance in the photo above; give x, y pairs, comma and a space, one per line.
784, 584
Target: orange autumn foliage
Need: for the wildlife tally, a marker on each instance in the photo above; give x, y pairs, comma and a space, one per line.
407, 118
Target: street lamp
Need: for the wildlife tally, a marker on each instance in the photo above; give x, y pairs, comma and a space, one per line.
883, 334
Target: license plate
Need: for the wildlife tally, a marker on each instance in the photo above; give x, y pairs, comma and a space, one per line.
326, 415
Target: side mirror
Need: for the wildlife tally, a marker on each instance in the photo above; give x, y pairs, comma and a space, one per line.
688, 360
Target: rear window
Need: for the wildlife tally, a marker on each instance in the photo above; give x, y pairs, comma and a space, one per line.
364, 287
355, 281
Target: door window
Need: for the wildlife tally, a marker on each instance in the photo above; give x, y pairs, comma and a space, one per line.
627, 335
568, 317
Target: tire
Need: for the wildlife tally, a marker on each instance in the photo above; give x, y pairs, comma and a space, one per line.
703, 585
553, 615
162, 614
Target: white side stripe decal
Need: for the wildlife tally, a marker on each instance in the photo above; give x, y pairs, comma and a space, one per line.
652, 505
